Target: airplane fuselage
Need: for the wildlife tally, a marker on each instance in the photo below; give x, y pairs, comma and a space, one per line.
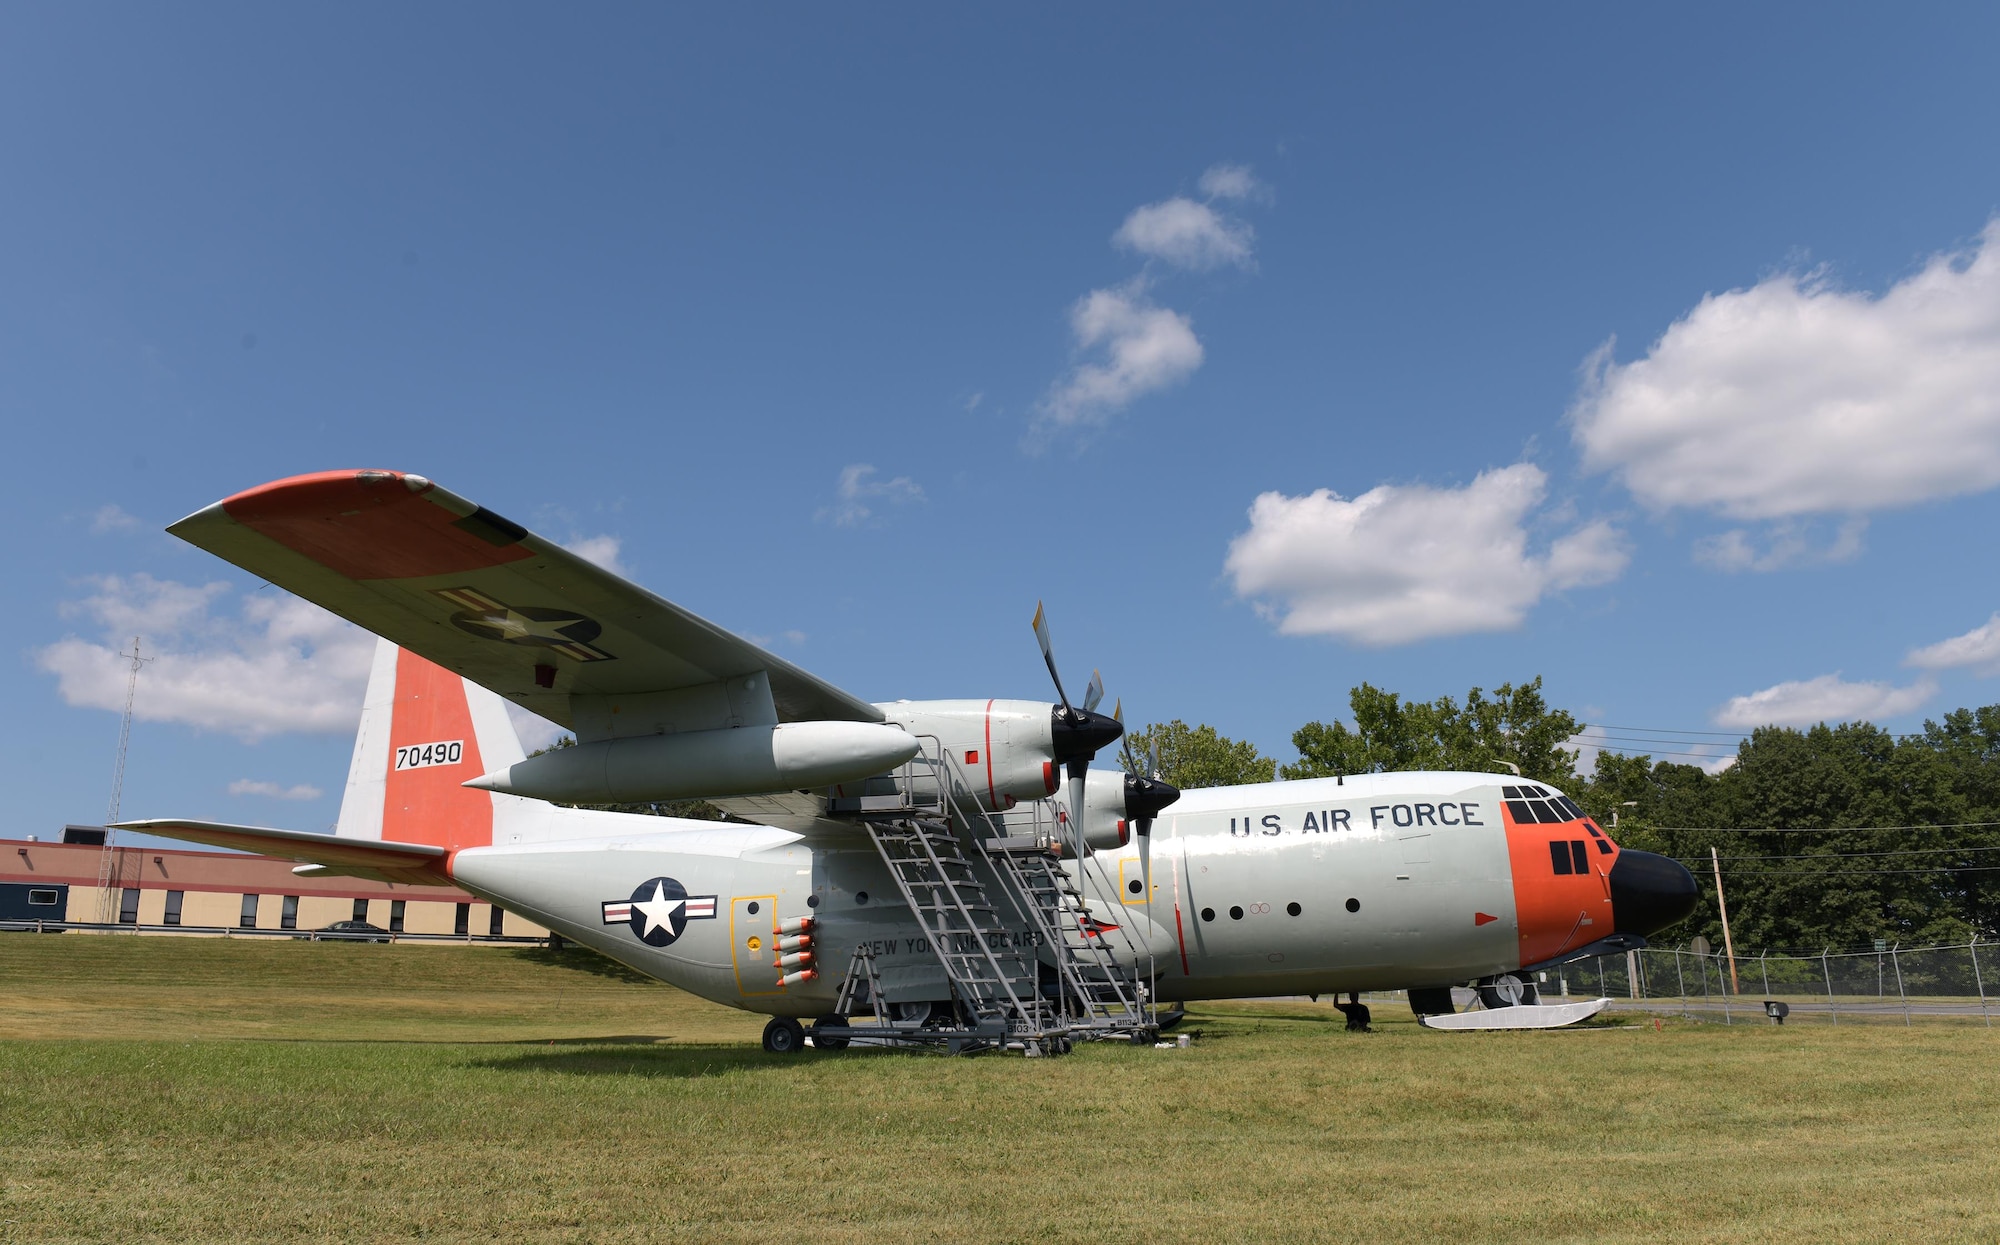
1380, 881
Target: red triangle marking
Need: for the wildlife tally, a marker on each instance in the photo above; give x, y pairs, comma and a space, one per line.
1480, 918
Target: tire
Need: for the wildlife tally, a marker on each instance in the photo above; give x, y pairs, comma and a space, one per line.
829, 1042
1431, 1001
1505, 990
784, 1036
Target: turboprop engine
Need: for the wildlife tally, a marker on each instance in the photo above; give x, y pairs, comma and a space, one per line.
742, 760
1005, 751
1113, 801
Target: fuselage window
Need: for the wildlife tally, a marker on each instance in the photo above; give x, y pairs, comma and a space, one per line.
1580, 857
1559, 857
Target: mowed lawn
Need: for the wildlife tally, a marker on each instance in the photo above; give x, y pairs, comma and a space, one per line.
182, 1089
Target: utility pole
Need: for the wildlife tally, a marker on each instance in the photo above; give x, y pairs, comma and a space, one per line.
108, 881
1722, 906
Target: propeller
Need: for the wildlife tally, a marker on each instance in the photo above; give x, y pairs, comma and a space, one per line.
1076, 734
1145, 795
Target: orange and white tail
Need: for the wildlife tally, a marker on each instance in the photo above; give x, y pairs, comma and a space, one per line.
424, 732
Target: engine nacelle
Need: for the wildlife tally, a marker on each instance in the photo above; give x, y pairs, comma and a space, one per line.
1106, 828
743, 760
1002, 750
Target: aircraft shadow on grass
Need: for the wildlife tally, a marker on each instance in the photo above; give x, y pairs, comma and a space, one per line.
642, 1057
581, 960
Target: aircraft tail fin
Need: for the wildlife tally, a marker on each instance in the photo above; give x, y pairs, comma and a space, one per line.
424, 731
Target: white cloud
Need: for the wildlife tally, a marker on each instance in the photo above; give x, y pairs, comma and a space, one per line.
1187, 234
1145, 348
601, 550
280, 664
1402, 563
1794, 397
1827, 698
251, 786
1978, 649
1231, 181
1787, 543
859, 494
109, 518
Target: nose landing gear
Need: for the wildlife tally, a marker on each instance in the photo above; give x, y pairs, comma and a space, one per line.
1507, 990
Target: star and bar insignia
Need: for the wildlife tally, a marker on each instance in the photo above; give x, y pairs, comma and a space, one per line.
659, 911
565, 631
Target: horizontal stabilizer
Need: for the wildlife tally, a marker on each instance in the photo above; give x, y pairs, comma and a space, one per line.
411, 864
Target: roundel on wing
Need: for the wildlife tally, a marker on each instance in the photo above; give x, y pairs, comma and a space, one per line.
529, 624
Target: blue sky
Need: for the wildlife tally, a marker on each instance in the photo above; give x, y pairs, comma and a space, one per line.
1653, 354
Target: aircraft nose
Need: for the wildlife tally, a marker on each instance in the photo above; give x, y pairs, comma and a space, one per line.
1649, 892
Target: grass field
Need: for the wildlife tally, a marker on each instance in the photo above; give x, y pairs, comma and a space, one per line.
178, 1089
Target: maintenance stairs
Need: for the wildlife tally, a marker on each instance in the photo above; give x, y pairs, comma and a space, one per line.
990, 892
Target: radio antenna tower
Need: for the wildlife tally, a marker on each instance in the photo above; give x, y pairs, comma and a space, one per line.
107, 861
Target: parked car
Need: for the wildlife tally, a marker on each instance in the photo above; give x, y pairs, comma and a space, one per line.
353, 931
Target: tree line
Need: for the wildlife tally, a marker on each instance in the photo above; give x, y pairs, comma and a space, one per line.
1828, 837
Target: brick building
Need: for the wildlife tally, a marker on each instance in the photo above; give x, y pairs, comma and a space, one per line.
165, 890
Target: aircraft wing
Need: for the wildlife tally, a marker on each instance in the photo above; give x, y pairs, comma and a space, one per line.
415, 864
482, 596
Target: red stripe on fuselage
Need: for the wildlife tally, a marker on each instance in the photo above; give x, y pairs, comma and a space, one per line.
992, 800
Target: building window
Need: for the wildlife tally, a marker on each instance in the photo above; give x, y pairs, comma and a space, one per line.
128, 906
361, 909
249, 918
464, 920
395, 916
173, 916
288, 916
498, 923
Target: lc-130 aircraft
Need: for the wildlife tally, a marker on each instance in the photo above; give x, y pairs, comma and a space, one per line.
904, 858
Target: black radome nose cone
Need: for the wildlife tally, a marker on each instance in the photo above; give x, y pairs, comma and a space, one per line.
1649, 892
1080, 733
1145, 797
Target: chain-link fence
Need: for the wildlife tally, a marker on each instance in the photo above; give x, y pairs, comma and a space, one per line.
1900, 984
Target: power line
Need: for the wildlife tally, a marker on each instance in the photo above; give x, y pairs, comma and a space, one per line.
1821, 873
1909, 851
1945, 825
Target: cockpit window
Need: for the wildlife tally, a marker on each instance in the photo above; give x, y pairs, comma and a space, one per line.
1510, 793
1559, 857
1579, 857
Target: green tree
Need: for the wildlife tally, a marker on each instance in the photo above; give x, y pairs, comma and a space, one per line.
1516, 725
1833, 836
1199, 756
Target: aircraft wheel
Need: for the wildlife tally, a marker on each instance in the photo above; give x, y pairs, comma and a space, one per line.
784, 1036
829, 1042
1506, 990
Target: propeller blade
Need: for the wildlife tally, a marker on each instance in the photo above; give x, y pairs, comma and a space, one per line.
1093, 695
1153, 759
1049, 654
